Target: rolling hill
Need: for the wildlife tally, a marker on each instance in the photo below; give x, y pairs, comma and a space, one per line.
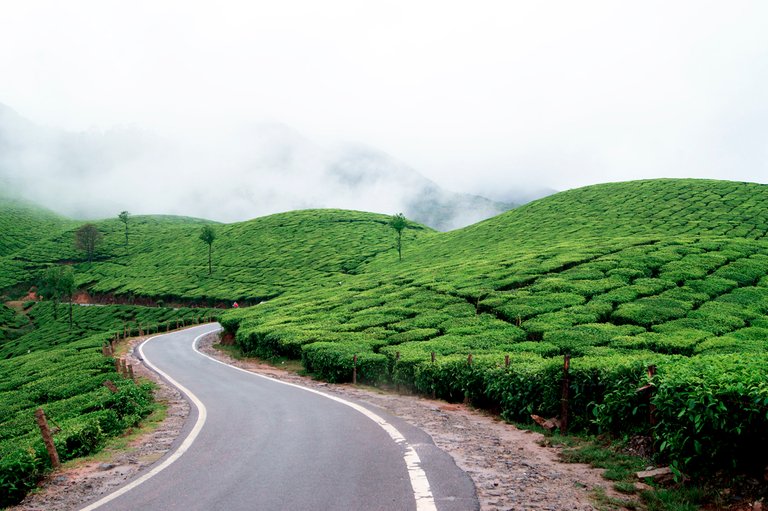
670, 273
623, 276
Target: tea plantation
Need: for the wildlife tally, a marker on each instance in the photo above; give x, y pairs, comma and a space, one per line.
619, 277
671, 273
252, 261
62, 370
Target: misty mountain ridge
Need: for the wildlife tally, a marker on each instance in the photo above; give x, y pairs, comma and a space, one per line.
228, 175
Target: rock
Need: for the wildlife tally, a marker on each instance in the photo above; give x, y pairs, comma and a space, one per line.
548, 424
658, 475
643, 487
106, 466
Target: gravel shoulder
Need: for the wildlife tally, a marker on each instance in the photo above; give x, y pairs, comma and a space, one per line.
509, 467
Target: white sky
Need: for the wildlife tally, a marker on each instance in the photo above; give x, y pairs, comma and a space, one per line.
479, 96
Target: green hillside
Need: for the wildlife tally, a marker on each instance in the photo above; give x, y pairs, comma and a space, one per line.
619, 276
253, 260
63, 370
671, 273
23, 224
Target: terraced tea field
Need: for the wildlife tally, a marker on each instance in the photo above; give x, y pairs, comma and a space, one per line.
63, 371
252, 261
619, 277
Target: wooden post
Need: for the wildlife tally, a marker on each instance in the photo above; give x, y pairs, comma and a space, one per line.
141, 331
651, 408
469, 360
111, 386
506, 361
564, 399
397, 359
130, 372
354, 370
117, 365
47, 438
433, 380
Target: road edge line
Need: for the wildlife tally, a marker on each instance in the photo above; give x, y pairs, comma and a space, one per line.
422, 491
202, 414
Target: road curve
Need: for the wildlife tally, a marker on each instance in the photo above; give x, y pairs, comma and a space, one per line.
251, 442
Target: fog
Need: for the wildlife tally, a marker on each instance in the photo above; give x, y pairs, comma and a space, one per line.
229, 174
245, 109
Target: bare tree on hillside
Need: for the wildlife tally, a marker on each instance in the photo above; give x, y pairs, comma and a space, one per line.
207, 234
87, 238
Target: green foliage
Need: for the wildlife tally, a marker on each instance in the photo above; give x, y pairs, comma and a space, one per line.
124, 216
398, 223
67, 382
207, 236
87, 240
619, 276
23, 224
713, 412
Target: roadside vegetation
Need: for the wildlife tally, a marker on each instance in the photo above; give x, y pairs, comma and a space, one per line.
63, 370
619, 277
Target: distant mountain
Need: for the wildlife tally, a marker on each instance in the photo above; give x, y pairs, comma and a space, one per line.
228, 175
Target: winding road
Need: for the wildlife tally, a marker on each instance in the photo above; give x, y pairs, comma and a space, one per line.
252, 442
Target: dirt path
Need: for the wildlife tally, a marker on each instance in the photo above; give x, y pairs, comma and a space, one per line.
511, 470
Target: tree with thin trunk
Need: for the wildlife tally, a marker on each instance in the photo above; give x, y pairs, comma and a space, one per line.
123, 216
59, 282
67, 286
50, 288
398, 223
207, 234
87, 238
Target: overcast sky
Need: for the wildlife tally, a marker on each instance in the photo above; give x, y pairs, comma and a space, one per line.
479, 96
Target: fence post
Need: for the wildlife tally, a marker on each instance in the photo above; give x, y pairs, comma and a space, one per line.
506, 361
47, 438
469, 360
433, 378
564, 399
354, 370
130, 372
397, 359
651, 408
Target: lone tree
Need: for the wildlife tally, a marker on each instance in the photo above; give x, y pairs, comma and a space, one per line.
67, 285
398, 223
87, 238
207, 234
123, 216
59, 282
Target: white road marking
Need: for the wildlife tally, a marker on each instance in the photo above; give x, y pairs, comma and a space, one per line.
202, 414
422, 492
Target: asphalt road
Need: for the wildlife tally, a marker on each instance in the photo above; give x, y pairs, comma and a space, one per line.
252, 443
